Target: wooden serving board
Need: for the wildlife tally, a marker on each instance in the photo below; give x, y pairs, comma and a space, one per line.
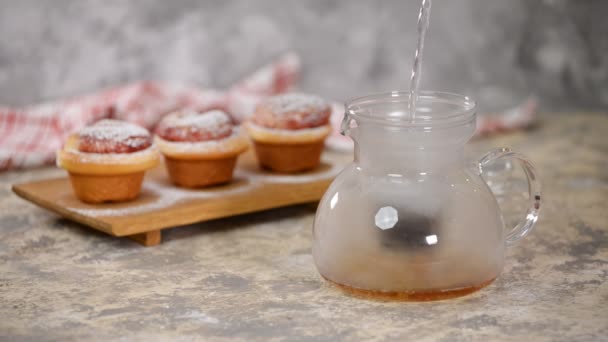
162, 205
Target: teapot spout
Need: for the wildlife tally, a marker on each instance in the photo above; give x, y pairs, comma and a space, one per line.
345, 126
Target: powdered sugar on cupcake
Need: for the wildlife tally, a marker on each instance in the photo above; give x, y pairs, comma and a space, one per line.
115, 130
274, 135
149, 152
113, 136
296, 102
192, 126
328, 172
235, 142
292, 111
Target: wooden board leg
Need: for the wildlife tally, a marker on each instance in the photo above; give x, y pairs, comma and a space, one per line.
312, 205
147, 239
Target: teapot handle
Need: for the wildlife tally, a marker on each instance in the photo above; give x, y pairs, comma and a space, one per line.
525, 225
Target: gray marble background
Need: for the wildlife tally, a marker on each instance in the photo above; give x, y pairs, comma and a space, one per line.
498, 51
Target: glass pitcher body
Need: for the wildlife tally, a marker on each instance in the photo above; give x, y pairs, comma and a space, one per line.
410, 217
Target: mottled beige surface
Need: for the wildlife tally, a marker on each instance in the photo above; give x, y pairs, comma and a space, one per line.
252, 277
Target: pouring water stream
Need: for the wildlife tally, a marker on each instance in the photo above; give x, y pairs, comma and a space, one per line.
423, 26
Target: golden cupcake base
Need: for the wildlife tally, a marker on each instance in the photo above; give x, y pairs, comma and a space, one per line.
106, 188
289, 158
196, 173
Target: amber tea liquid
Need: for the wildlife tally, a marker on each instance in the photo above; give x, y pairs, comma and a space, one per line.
410, 296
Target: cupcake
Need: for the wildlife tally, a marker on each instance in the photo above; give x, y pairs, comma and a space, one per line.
200, 149
289, 130
106, 162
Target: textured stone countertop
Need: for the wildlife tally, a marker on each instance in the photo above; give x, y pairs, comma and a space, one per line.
252, 277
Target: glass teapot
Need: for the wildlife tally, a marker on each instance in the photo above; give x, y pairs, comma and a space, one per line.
409, 218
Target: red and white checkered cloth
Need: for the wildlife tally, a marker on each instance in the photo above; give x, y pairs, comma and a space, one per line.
30, 136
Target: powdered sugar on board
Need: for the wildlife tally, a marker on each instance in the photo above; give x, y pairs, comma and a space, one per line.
163, 196
158, 193
325, 171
